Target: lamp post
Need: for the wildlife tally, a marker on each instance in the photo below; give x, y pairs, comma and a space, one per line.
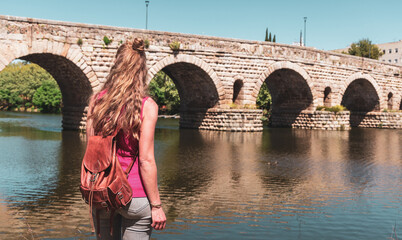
146, 18
305, 20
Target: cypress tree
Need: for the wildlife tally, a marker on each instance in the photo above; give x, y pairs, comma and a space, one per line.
266, 34
269, 38
274, 40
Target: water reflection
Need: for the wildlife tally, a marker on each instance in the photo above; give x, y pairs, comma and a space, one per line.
281, 183
287, 174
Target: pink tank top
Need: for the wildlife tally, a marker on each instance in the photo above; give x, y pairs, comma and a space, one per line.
126, 149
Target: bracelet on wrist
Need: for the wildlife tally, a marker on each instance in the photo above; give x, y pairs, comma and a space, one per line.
156, 205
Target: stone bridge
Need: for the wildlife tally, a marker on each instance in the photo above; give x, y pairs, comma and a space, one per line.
218, 79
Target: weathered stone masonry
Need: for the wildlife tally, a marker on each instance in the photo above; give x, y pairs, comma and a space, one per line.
205, 71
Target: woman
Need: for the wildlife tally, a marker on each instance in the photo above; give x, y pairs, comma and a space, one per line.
122, 104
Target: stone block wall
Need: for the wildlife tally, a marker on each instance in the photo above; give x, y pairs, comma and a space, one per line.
312, 120
391, 120
74, 118
235, 120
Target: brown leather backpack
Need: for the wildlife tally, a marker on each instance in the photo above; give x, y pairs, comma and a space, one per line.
104, 184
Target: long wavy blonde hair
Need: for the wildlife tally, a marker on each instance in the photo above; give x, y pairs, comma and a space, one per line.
120, 106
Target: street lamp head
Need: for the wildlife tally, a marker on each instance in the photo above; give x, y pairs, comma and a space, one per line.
305, 18
146, 18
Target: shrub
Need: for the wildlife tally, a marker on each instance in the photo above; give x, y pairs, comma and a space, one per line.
146, 43
79, 42
107, 41
335, 109
175, 46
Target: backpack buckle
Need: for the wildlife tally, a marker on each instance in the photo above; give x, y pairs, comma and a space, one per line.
94, 177
120, 195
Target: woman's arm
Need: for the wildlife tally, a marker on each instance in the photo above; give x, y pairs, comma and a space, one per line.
147, 162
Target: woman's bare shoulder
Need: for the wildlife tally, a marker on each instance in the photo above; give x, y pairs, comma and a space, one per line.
150, 108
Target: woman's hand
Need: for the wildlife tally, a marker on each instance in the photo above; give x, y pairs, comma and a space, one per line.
158, 218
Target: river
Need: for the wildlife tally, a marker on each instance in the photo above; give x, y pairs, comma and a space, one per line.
277, 184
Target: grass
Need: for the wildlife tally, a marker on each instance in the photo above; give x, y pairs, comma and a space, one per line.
335, 109
240, 106
175, 46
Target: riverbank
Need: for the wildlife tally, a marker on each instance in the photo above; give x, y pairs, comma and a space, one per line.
169, 116
21, 109
36, 110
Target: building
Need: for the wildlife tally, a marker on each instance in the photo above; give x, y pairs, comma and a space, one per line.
392, 52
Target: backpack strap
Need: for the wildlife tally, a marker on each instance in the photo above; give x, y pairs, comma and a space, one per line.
128, 169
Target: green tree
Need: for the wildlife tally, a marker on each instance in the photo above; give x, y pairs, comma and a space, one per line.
264, 102
270, 38
164, 92
264, 99
274, 40
365, 48
19, 82
266, 34
8, 99
48, 97
23, 78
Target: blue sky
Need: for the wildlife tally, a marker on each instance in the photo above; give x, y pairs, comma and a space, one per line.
330, 24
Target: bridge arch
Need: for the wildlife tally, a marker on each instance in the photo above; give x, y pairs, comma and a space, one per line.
390, 100
198, 85
398, 99
68, 66
289, 72
368, 82
284, 65
400, 102
327, 99
291, 89
393, 99
238, 92
361, 96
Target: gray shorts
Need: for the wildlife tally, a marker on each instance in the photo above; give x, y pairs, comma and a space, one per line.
132, 222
